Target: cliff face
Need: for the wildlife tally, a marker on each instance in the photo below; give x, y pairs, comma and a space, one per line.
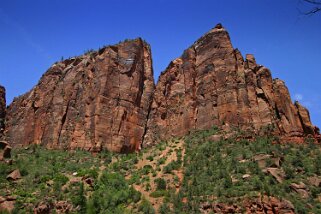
107, 99
99, 100
212, 85
2, 108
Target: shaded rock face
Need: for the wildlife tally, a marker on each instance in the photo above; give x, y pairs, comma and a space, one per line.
212, 85
99, 100
2, 108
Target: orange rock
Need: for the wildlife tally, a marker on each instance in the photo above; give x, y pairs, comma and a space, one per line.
212, 85
14, 175
7, 204
5, 150
106, 99
95, 101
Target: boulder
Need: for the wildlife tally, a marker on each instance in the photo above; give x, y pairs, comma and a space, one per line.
63, 207
276, 173
260, 205
42, 208
261, 159
14, 175
301, 189
315, 181
7, 204
5, 150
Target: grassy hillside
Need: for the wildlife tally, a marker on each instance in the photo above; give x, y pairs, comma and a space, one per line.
189, 175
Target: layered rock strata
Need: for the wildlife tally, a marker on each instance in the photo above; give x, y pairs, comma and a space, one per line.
212, 85
96, 101
107, 99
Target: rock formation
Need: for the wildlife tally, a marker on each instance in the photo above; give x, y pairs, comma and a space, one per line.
95, 101
212, 85
260, 205
2, 108
107, 99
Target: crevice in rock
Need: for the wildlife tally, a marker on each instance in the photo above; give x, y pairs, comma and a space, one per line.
63, 121
263, 97
35, 108
123, 117
147, 117
305, 129
277, 113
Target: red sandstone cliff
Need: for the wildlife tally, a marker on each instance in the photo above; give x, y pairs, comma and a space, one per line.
212, 85
105, 99
99, 100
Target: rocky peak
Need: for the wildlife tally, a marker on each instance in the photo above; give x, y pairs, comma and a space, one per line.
212, 85
96, 101
106, 99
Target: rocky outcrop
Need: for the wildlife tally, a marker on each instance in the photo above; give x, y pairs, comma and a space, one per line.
5, 151
96, 101
7, 204
212, 85
14, 175
2, 109
107, 99
263, 204
305, 119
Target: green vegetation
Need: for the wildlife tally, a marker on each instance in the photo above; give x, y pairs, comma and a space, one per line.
178, 176
51, 176
217, 169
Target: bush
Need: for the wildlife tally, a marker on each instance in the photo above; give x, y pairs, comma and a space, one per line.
146, 207
164, 209
174, 165
160, 183
159, 193
112, 193
150, 158
79, 198
92, 173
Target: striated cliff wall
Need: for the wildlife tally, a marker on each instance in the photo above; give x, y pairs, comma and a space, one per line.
107, 99
212, 85
95, 101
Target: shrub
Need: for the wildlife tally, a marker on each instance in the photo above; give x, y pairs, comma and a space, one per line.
150, 158
174, 165
79, 198
146, 207
164, 209
160, 183
112, 193
159, 193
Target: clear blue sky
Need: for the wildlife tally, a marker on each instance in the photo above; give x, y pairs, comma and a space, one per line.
35, 34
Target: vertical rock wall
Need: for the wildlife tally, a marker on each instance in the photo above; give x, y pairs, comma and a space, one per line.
99, 100
107, 99
212, 85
